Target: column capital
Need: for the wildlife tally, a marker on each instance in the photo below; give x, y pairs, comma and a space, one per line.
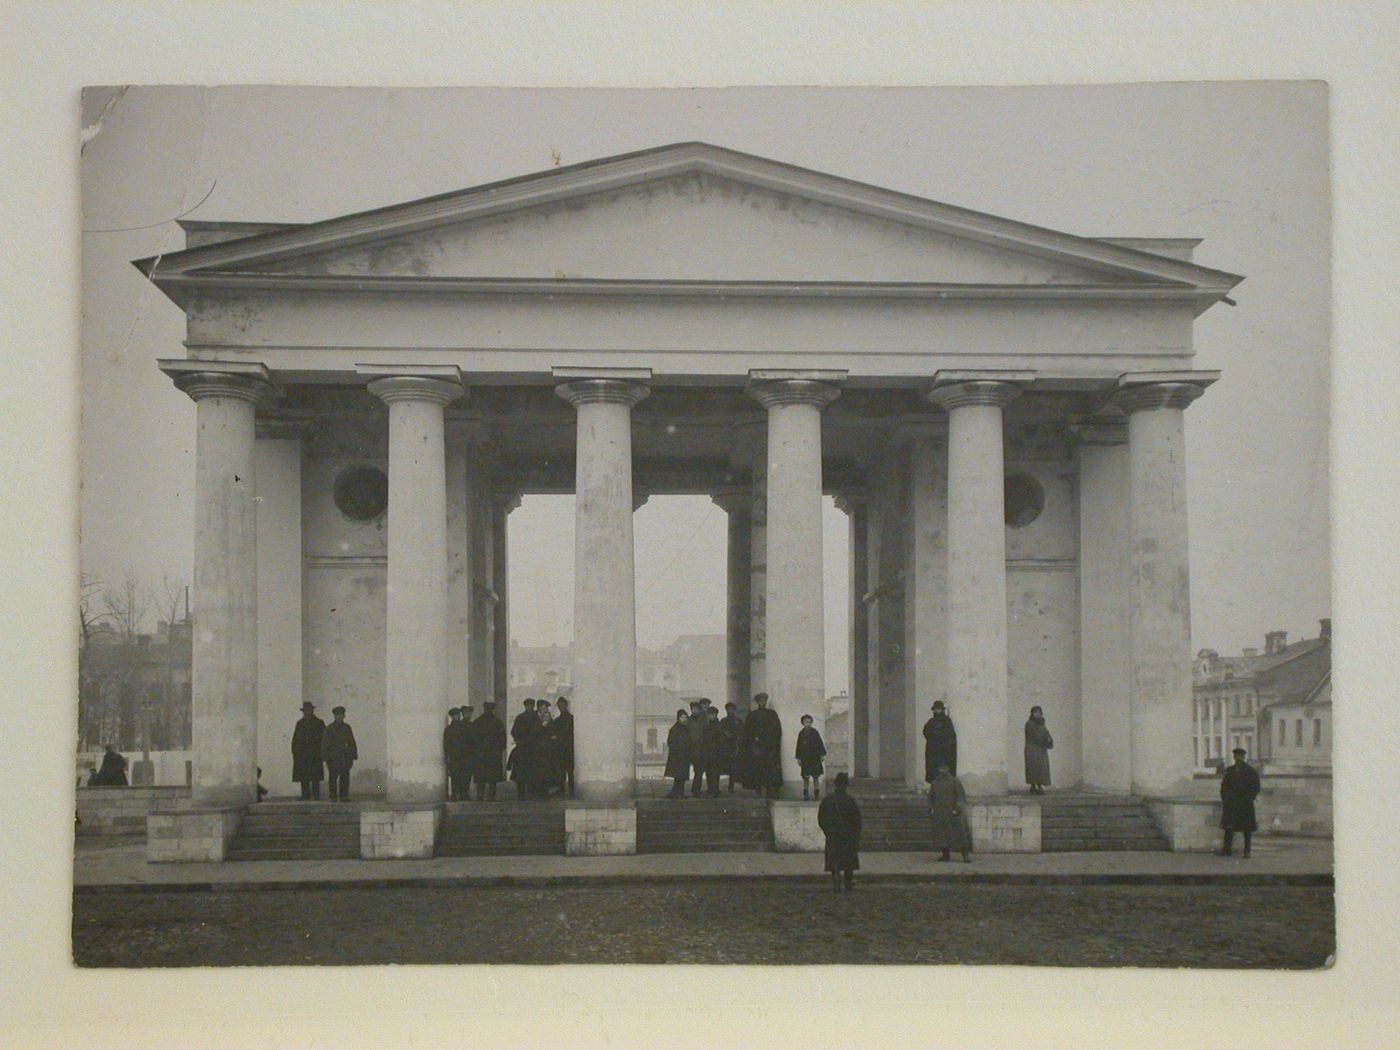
1140, 391
236, 380
735, 499
437, 387
627, 392
848, 501
775, 392
957, 388
639, 498
506, 500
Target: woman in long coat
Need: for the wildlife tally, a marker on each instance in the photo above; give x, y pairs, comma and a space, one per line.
839, 818
947, 810
940, 743
546, 766
678, 755
1038, 745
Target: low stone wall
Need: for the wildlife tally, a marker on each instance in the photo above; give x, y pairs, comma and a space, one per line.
1191, 825
795, 828
191, 834
599, 829
122, 810
1005, 825
399, 832
1289, 803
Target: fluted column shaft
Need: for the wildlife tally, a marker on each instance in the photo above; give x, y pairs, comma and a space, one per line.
1160, 600
795, 643
976, 634
416, 670
605, 612
224, 672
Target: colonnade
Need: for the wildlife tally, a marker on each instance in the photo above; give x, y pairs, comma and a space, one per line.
955, 576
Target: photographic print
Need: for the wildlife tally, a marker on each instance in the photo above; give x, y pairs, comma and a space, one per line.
791, 525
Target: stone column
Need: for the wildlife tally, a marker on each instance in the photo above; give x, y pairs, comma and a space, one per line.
795, 645
460, 496
417, 620
224, 674
977, 653
758, 574
856, 507
481, 645
1105, 666
605, 616
502, 504
925, 588
737, 503
1160, 609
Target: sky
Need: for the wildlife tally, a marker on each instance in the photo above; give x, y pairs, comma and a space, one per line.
1241, 165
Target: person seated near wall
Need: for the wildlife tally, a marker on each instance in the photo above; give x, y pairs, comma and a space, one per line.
112, 772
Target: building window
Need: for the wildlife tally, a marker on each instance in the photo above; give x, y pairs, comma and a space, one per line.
651, 739
1298, 732
361, 492
1317, 732
1219, 748
1025, 499
1282, 732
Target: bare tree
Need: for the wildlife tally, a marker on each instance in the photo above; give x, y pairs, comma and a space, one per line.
125, 606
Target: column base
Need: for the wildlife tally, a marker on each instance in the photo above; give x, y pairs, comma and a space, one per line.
600, 829
399, 832
795, 827
201, 834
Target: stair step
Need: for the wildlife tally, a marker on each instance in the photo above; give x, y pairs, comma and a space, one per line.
302, 853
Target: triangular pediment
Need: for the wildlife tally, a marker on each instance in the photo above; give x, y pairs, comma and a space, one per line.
686, 213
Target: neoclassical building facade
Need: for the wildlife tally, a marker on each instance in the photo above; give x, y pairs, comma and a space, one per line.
997, 407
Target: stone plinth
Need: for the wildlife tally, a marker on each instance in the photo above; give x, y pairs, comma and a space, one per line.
122, 810
399, 832
1005, 825
1191, 825
795, 827
202, 834
600, 830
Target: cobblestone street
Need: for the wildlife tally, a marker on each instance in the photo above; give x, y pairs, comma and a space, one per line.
776, 921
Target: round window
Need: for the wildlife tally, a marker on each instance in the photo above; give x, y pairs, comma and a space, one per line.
361, 492
1025, 499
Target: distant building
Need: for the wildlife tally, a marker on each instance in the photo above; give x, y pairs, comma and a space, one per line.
134, 690
1277, 704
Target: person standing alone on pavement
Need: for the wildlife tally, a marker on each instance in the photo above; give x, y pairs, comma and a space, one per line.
307, 768
1239, 787
947, 810
839, 818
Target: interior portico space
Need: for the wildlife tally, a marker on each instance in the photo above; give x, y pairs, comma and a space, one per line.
998, 408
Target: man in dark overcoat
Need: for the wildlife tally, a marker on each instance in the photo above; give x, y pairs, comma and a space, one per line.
1239, 787
112, 772
678, 755
731, 725
339, 752
488, 751
839, 818
523, 733
564, 731
307, 768
711, 750
940, 743
456, 753
695, 725
947, 810
762, 748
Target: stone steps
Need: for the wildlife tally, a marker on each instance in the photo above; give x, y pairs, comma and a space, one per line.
1097, 823
505, 829
284, 832
704, 825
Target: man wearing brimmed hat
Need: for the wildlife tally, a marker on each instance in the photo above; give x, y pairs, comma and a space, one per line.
940, 743
1239, 787
307, 768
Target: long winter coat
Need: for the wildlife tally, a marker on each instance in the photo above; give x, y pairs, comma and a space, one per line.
1038, 745
543, 762
839, 818
306, 749
810, 751
488, 746
940, 746
678, 752
761, 749
1239, 787
564, 731
712, 750
947, 811
338, 748
456, 749
731, 726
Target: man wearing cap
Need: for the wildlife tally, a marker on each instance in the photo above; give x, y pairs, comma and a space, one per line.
695, 726
940, 743
456, 753
339, 752
564, 729
1239, 787
762, 748
307, 769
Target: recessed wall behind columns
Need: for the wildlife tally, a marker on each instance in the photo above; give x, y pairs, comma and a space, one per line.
890, 554
1042, 595
344, 596
277, 479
